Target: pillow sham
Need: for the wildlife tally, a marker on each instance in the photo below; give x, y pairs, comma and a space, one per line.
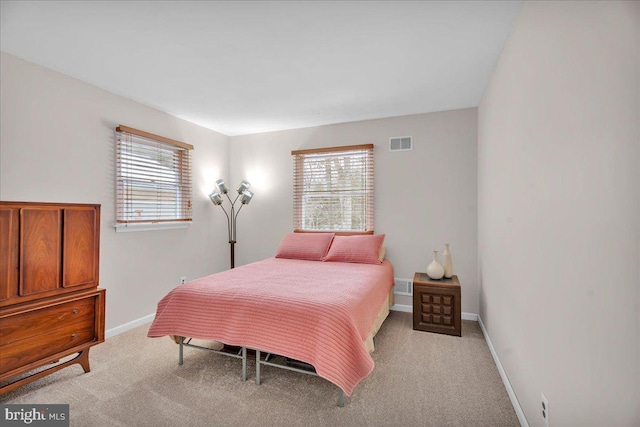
382, 253
307, 246
361, 249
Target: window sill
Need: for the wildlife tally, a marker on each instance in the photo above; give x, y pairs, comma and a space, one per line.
336, 232
127, 228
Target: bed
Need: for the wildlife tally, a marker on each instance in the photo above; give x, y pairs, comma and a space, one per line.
322, 311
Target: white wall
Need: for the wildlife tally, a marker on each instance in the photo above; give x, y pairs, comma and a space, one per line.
423, 198
57, 145
559, 211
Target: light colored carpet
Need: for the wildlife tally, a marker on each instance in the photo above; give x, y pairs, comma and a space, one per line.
420, 379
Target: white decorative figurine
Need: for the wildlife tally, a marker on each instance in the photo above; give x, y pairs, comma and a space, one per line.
447, 262
435, 270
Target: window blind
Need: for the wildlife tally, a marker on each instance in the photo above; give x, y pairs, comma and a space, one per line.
153, 178
333, 189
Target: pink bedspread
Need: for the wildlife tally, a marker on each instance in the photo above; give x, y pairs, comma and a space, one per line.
316, 312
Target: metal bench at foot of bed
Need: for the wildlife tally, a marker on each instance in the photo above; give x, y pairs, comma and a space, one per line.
290, 368
242, 354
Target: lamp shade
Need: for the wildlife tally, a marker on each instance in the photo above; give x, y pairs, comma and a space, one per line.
244, 185
246, 197
222, 187
216, 198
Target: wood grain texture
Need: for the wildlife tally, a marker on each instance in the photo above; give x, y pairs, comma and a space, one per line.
82, 359
77, 242
81, 247
148, 135
43, 320
8, 253
31, 349
40, 250
333, 149
50, 307
38, 357
437, 305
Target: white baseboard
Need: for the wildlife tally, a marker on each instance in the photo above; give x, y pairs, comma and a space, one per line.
409, 309
402, 307
469, 316
505, 379
129, 325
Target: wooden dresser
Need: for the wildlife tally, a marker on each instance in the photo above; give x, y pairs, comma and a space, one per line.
50, 304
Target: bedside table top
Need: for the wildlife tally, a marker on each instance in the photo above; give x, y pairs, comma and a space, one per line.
424, 279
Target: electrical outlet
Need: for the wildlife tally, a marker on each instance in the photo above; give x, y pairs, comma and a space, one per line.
545, 410
183, 280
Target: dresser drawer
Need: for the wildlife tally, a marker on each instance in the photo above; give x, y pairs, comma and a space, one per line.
42, 321
33, 348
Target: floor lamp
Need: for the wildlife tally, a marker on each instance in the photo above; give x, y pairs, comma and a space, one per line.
244, 195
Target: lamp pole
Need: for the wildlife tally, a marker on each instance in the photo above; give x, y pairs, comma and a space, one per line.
231, 226
245, 197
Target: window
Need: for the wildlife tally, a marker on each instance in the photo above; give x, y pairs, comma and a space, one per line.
153, 178
333, 189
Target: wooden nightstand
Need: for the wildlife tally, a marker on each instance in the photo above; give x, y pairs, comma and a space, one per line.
437, 305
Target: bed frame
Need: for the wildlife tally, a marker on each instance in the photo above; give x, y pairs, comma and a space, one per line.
311, 371
242, 353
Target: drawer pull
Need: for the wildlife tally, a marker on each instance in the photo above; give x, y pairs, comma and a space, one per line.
74, 335
75, 311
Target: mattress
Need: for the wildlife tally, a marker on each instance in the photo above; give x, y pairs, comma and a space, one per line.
321, 313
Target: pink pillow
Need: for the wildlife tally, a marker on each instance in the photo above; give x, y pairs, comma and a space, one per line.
309, 246
363, 249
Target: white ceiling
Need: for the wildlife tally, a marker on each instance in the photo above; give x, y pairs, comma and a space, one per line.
247, 67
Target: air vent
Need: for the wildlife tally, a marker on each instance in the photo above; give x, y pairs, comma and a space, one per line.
403, 287
401, 143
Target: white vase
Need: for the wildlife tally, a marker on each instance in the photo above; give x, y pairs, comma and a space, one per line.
435, 270
447, 262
